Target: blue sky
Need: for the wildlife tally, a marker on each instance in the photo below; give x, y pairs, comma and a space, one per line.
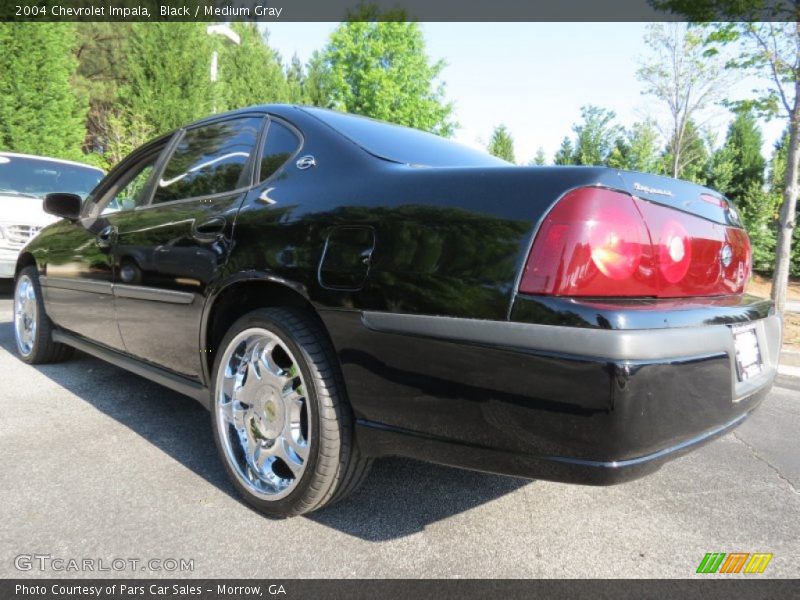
534, 77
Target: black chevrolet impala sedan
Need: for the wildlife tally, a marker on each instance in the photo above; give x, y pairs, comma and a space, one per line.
335, 289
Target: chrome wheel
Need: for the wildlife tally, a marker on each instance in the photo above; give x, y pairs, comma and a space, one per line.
25, 315
262, 413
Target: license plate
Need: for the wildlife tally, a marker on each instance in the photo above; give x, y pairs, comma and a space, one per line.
748, 354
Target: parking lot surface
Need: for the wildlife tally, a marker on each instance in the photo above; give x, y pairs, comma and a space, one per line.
98, 463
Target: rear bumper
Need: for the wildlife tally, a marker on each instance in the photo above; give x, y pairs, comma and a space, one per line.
577, 404
378, 440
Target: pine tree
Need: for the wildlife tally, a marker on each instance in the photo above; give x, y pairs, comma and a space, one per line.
565, 153
595, 135
102, 67
692, 163
541, 158
250, 72
168, 82
296, 82
502, 144
744, 141
39, 111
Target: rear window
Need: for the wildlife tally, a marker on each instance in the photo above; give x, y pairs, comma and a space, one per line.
210, 159
403, 144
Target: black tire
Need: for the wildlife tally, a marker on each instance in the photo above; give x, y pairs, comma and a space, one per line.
334, 467
43, 349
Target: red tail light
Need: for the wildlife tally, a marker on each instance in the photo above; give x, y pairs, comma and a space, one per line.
674, 251
599, 242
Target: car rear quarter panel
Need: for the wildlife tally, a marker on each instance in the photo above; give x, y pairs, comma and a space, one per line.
448, 242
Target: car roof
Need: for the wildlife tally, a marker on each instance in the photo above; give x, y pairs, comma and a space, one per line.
51, 159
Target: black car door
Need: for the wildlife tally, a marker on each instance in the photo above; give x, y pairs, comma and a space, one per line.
169, 252
80, 264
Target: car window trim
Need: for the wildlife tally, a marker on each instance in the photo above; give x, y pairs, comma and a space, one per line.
257, 181
250, 164
237, 191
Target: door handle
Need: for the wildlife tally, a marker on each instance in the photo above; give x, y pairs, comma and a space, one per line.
210, 229
106, 237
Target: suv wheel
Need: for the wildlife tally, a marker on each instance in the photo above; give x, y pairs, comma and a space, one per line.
280, 415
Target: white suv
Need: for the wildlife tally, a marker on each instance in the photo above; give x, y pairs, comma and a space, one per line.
24, 180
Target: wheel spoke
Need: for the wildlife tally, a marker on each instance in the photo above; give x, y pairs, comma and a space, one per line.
261, 457
282, 451
267, 362
233, 412
253, 370
250, 445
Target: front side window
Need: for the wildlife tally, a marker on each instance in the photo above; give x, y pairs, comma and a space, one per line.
210, 159
279, 146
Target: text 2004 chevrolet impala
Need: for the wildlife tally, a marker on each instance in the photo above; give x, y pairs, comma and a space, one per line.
334, 289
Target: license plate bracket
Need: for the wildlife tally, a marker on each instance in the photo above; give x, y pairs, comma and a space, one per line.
749, 363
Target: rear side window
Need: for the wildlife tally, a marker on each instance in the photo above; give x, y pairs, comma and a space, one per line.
210, 159
279, 146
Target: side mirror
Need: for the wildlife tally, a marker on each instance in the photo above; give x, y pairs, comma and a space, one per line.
66, 206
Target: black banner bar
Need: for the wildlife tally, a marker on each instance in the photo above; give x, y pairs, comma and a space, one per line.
712, 588
418, 10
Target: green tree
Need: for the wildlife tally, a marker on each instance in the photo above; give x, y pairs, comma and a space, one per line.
167, 89
123, 132
595, 136
744, 141
619, 156
638, 149
685, 80
296, 82
565, 155
694, 155
380, 69
502, 144
760, 216
102, 65
250, 72
722, 169
540, 159
645, 147
39, 111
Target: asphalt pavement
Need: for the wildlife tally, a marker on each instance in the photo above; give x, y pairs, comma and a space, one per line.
99, 464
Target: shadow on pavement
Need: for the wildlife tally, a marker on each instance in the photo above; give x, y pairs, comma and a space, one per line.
400, 497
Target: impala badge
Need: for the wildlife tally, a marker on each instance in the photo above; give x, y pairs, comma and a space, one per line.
650, 190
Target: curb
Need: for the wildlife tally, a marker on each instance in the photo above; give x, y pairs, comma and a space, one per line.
789, 370
790, 358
